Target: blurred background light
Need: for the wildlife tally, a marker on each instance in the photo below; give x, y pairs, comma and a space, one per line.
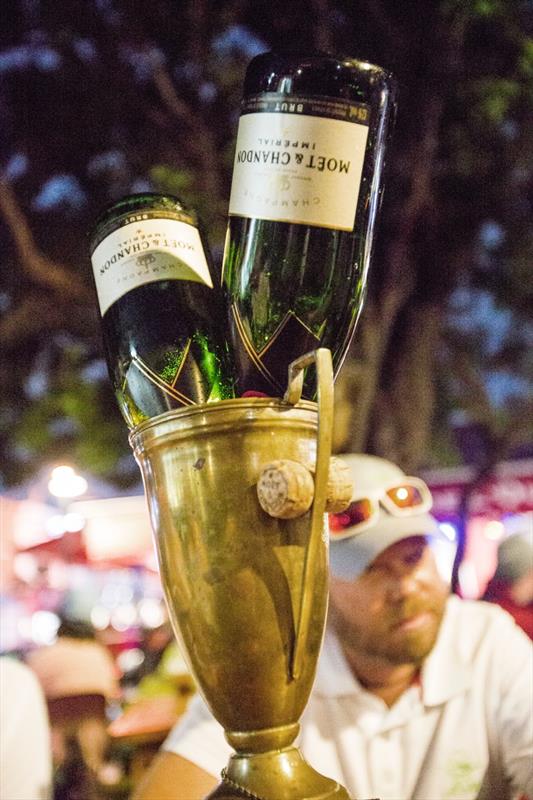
25, 567
100, 617
448, 530
66, 483
130, 659
468, 580
151, 613
43, 627
494, 530
124, 617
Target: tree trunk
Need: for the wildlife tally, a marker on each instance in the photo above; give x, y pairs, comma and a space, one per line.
394, 422
403, 412
357, 384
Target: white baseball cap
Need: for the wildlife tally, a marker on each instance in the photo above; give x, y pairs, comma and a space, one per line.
387, 506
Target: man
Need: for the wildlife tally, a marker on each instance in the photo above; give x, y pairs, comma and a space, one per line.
78, 676
511, 586
418, 695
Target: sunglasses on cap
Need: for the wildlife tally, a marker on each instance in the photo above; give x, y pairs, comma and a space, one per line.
407, 498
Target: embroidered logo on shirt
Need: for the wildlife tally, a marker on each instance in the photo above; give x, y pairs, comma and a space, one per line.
465, 779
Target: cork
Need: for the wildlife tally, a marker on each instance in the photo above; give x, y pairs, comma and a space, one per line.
340, 486
285, 489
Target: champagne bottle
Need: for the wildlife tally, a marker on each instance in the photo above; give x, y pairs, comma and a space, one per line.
162, 316
305, 193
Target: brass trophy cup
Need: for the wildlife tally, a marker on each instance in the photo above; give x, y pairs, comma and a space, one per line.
246, 591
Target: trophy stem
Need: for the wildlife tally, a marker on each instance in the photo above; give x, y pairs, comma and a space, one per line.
324, 436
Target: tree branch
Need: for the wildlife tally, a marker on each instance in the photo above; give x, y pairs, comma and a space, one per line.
33, 316
401, 274
42, 270
375, 11
322, 33
201, 142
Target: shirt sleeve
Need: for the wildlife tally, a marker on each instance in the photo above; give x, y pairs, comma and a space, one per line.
512, 669
199, 738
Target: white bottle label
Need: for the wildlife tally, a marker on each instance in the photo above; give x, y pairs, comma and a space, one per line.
299, 160
144, 251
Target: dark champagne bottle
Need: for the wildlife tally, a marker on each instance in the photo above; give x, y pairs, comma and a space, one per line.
162, 317
305, 193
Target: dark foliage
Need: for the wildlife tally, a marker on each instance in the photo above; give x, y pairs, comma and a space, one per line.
105, 97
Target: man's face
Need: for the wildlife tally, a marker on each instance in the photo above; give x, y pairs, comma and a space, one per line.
394, 609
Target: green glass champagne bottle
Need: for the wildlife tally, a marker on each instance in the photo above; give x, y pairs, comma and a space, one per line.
162, 316
305, 194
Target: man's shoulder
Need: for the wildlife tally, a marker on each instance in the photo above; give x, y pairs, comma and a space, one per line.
14, 673
476, 623
18, 681
478, 612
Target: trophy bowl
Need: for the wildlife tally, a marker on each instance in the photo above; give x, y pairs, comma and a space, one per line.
246, 591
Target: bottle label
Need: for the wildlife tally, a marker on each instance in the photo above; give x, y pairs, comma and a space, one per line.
146, 249
299, 159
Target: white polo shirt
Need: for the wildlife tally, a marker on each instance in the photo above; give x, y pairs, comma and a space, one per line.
466, 733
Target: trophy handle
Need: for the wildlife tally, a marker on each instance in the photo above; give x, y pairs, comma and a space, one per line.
324, 370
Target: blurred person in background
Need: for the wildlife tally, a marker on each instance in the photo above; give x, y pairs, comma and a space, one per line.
25, 749
78, 677
511, 586
153, 644
171, 676
418, 694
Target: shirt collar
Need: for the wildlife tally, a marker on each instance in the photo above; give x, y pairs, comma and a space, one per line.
333, 663
444, 673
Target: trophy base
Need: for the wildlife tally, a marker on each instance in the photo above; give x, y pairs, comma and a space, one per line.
275, 775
